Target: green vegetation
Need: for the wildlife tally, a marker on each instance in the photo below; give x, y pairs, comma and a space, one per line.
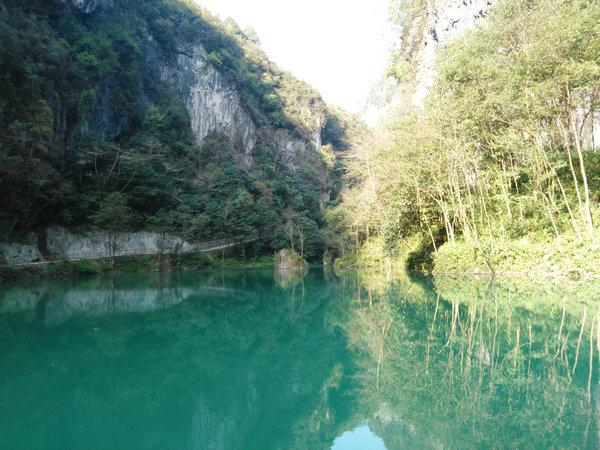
498, 173
85, 117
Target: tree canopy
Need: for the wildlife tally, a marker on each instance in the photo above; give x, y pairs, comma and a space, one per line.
500, 162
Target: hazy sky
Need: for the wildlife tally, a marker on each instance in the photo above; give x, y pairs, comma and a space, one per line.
338, 46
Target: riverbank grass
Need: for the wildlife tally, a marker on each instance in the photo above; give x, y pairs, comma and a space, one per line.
535, 253
528, 255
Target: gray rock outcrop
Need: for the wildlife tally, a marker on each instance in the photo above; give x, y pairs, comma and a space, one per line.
444, 21
19, 253
88, 6
213, 103
288, 259
61, 242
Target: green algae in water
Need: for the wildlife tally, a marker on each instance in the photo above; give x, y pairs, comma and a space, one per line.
342, 358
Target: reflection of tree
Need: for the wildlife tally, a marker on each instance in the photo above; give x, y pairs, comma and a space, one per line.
479, 363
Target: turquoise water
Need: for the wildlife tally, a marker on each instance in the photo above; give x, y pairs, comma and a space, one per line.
320, 359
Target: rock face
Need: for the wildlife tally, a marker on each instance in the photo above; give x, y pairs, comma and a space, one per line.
88, 6
213, 103
324, 198
290, 149
60, 241
104, 120
589, 124
20, 253
443, 21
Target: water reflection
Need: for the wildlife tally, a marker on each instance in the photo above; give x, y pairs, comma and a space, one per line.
360, 438
56, 302
480, 363
289, 277
250, 359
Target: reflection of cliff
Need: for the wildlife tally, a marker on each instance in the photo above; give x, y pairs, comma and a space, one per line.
57, 306
209, 360
98, 303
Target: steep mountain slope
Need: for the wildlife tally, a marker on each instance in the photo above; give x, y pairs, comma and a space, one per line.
180, 118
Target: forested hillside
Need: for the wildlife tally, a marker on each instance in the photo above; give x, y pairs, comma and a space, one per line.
159, 114
499, 171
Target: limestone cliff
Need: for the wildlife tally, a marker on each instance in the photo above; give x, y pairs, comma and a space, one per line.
213, 103
88, 6
435, 25
58, 241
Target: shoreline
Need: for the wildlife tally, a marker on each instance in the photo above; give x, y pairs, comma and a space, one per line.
590, 275
66, 268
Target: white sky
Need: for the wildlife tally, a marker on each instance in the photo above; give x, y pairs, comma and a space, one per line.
338, 46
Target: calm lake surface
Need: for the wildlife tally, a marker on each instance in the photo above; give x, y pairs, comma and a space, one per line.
320, 359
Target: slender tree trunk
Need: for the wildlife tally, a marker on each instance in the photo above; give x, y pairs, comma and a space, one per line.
301, 241
505, 193
551, 217
449, 227
588, 212
291, 234
567, 144
432, 239
463, 218
564, 195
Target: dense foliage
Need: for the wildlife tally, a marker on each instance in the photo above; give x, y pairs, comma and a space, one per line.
500, 165
60, 159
